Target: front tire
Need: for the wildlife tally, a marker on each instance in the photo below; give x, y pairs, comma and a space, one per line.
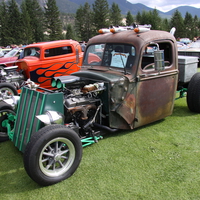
7, 90
53, 154
193, 93
5, 110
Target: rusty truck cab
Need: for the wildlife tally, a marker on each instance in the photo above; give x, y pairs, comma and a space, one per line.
142, 72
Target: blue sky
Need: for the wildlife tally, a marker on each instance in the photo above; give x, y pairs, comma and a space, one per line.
166, 5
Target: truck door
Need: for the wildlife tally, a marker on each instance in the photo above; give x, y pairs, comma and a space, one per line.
156, 88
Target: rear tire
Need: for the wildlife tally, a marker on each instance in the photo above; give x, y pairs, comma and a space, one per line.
193, 93
7, 90
5, 109
53, 154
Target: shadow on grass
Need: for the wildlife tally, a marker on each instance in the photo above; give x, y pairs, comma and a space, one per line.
131, 131
13, 176
181, 109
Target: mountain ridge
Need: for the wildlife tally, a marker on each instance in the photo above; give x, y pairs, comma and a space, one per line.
126, 6
71, 6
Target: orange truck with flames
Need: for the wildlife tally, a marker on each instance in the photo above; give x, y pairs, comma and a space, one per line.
39, 62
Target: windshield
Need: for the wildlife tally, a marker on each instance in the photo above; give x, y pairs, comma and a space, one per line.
13, 52
111, 55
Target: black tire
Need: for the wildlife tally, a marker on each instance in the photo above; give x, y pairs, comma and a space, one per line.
5, 109
7, 90
42, 155
193, 93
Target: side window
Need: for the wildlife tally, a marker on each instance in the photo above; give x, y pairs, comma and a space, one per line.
57, 51
148, 59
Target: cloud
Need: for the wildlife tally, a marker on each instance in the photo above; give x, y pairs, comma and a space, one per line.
166, 5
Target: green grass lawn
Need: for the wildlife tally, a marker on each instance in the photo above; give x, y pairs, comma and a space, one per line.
160, 161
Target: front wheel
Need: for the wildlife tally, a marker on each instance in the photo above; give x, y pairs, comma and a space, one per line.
7, 90
53, 154
193, 93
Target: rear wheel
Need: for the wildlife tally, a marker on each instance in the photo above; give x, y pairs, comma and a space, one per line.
193, 93
5, 111
7, 90
53, 154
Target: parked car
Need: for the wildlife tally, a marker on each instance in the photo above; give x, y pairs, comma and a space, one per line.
39, 62
128, 79
185, 40
4, 51
10, 57
192, 49
181, 45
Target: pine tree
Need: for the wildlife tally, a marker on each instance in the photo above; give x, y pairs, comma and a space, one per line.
14, 23
188, 22
70, 33
27, 33
138, 18
129, 19
36, 19
195, 26
101, 14
151, 17
177, 22
52, 21
155, 20
79, 22
4, 28
144, 18
89, 29
165, 25
115, 15
83, 22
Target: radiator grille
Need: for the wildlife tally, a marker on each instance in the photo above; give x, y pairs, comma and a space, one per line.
33, 103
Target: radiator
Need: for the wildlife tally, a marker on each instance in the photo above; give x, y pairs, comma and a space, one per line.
33, 103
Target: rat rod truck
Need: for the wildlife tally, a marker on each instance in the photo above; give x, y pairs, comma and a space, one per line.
128, 78
39, 62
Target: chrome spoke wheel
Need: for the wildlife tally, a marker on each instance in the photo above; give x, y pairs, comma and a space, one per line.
56, 157
53, 154
6, 93
7, 90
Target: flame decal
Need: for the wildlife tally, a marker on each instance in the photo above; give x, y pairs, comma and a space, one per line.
43, 75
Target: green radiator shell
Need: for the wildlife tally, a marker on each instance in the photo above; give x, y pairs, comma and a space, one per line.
33, 103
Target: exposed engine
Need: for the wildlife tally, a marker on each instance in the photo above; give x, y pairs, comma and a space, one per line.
12, 75
83, 107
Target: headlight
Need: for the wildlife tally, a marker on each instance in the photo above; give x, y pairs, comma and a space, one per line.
51, 117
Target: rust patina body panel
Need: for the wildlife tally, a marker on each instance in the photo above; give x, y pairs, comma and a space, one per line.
155, 99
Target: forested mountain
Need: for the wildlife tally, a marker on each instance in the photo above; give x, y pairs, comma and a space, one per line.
183, 9
124, 5
70, 6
